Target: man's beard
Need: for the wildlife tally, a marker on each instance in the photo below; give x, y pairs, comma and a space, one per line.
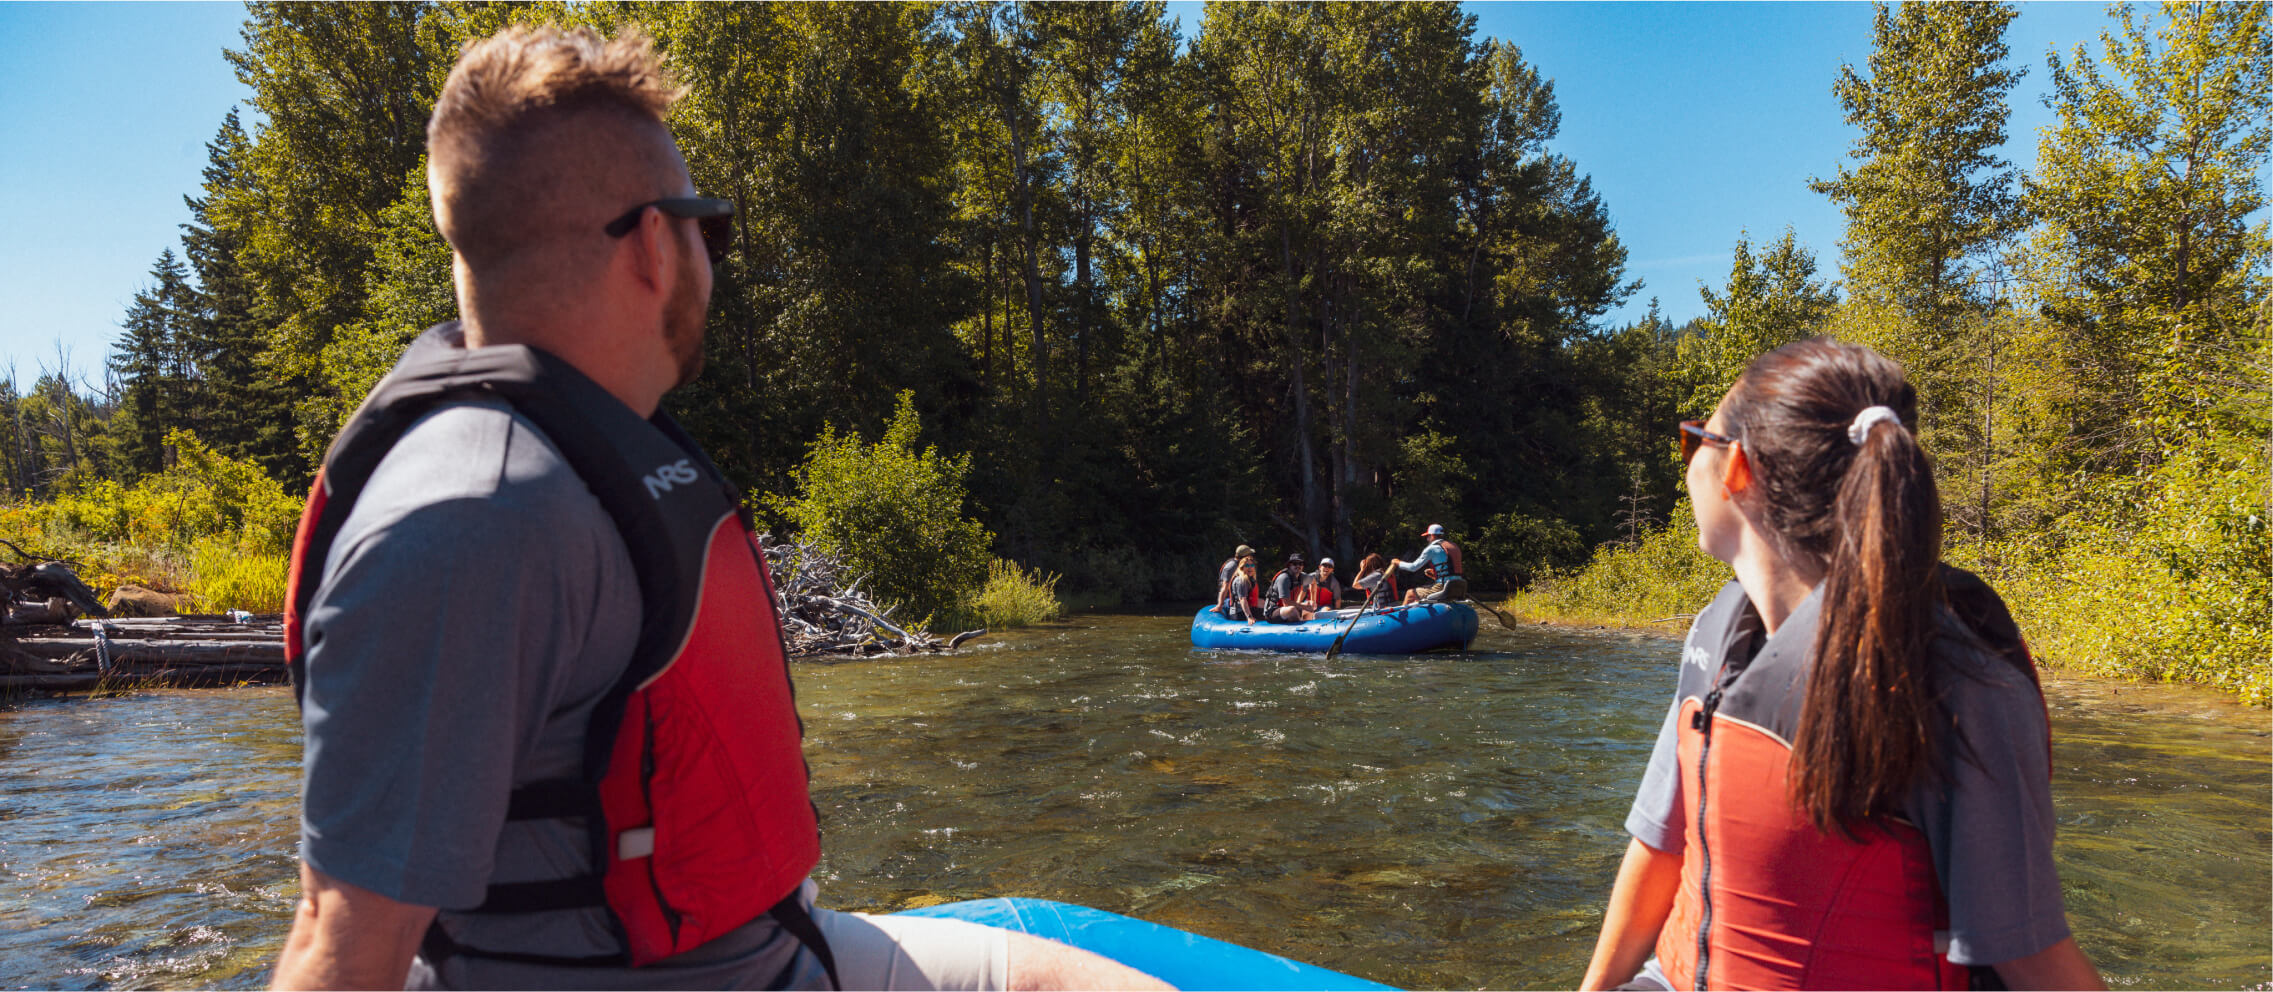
682, 323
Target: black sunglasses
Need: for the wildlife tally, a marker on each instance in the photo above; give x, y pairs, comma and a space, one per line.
1694, 436
715, 217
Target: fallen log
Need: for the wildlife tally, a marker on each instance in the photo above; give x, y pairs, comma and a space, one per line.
142, 651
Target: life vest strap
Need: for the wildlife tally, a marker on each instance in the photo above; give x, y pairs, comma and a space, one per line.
555, 799
574, 892
437, 947
791, 914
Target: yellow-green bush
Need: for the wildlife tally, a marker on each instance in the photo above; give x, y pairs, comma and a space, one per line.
895, 512
1664, 575
211, 525
2170, 578
1012, 597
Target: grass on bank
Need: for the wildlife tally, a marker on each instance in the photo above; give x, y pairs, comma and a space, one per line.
2169, 584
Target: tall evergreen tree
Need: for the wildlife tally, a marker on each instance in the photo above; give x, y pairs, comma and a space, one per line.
243, 412
343, 93
153, 360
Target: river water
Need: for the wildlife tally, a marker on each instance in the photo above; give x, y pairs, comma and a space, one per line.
1437, 821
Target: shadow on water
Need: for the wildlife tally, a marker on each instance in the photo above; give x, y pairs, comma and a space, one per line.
1434, 821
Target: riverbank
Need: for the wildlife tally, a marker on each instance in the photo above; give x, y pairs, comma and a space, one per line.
2093, 606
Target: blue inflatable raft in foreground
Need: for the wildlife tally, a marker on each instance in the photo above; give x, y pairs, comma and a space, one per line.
1397, 630
1185, 960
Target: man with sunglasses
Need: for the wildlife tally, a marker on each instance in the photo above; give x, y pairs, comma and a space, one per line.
550, 737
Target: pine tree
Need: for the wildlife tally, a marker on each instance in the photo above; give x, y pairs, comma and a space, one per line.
153, 360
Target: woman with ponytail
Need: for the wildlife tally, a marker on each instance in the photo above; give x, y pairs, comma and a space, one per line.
1852, 787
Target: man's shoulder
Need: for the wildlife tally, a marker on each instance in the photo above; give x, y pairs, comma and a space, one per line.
478, 450
480, 472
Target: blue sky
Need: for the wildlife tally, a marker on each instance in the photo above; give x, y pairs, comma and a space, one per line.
1697, 122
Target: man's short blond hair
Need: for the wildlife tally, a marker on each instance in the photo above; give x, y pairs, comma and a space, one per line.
500, 143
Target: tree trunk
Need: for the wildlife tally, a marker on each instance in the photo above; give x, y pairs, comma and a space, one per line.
1307, 458
1021, 179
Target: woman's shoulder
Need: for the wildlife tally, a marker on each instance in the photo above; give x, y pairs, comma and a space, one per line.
1975, 635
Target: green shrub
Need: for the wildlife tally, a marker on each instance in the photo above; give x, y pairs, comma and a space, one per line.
1517, 548
894, 513
1012, 597
1665, 576
152, 532
2170, 578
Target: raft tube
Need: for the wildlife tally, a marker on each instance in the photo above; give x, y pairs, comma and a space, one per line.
1185, 960
1397, 630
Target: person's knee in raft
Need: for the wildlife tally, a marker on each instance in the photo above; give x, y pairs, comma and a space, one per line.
1420, 594
914, 952
1932, 807
1040, 963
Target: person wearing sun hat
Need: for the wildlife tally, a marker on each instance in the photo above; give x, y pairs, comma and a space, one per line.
1284, 604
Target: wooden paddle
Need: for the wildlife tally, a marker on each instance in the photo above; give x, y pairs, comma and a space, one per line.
1379, 593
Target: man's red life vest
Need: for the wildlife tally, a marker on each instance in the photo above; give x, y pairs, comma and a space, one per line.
1767, 901
1322, 596
695, 786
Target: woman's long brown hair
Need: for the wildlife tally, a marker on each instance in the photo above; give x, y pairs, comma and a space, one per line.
1870, 515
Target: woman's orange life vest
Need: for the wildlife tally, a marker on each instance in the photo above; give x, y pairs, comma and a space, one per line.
695, 787
1766, 900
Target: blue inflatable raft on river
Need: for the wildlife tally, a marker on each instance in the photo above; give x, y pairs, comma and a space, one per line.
1397, 630
1185, 960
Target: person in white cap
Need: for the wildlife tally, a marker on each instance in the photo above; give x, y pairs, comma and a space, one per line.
1325, 591
1440, 559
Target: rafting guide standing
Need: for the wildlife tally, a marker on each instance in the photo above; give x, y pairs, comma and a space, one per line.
551, 738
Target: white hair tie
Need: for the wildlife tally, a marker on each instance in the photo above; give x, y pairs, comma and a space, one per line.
1859, 431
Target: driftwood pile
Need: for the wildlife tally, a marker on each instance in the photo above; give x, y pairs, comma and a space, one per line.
824, 612
46, 646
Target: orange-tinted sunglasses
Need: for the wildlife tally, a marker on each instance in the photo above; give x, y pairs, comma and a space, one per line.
1694, 436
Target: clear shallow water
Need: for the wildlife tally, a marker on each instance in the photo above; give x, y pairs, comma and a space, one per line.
1440, 821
